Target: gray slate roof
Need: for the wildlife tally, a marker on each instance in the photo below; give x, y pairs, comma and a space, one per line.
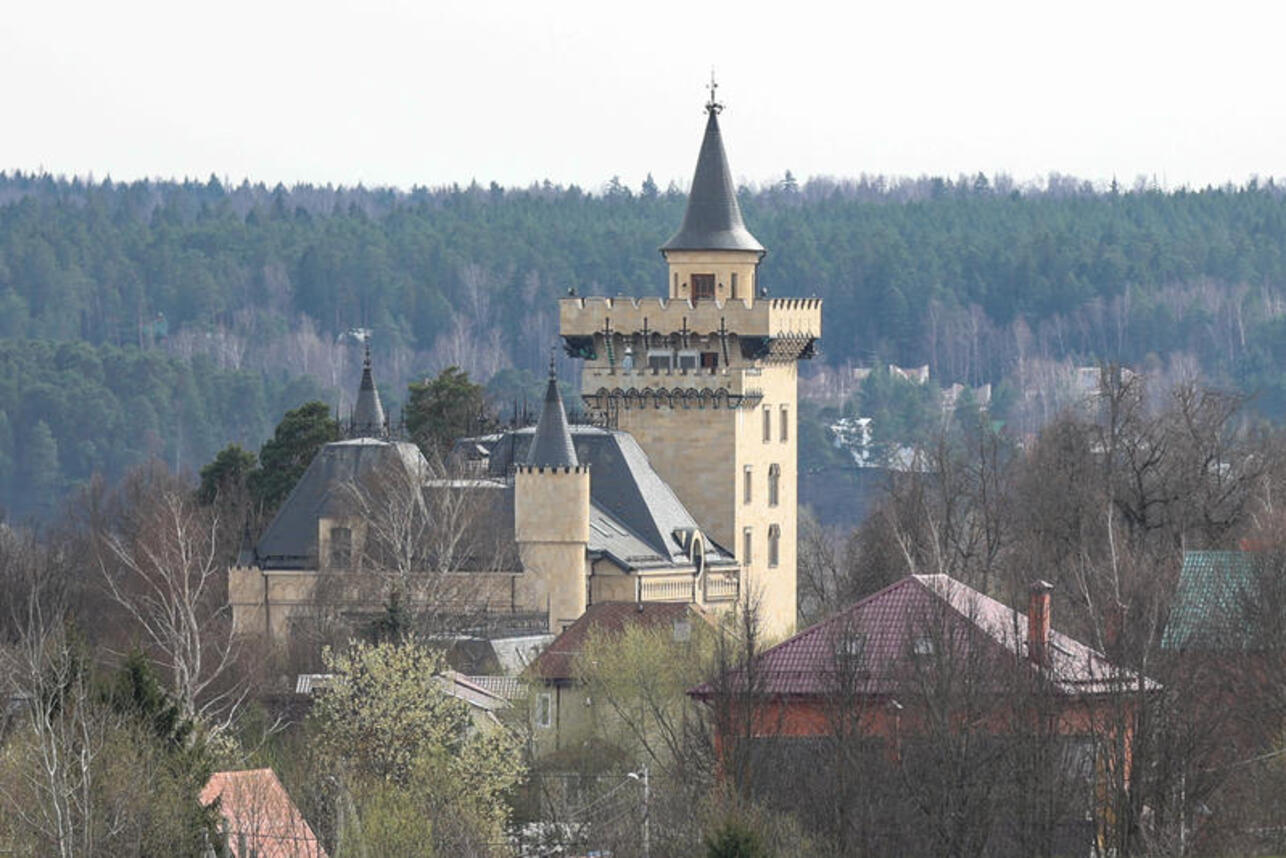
713, 218
636, 520
290, 542
552, 446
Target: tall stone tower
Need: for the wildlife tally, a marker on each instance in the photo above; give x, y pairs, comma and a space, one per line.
706, 380
551, 516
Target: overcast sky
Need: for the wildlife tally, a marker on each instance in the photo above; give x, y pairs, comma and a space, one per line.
432, 92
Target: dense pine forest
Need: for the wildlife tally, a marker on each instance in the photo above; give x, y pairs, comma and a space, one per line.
167, 319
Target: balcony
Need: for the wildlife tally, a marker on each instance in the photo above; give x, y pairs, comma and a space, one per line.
722, 586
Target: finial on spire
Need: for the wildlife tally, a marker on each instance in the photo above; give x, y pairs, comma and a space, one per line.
366, 361
553, 351
713, 105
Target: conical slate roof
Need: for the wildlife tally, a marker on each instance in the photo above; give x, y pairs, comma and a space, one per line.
368, 416
552, 446
713, 219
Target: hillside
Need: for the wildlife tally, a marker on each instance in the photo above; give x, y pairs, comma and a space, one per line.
164, 318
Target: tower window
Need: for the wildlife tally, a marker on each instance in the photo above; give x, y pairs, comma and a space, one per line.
785, 424
747, 544
710, 360
774, 482
341, 547
734, 284
687, 360
767, 424
747, 491
774, 544
702, 286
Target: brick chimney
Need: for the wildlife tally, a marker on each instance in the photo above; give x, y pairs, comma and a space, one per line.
1038, 622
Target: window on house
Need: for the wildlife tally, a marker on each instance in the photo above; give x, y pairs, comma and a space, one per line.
747, 486
545, 710
341, 547
785, 424
676, 283
687, 360
702, 286
774, 483
658, 360
774, 544
734, 285
747, 543
767, 424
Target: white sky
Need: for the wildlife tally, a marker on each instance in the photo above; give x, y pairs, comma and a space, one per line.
433, 92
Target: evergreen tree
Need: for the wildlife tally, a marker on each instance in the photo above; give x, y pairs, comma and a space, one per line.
293, 446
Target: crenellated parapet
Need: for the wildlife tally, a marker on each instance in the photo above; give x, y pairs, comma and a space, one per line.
766, 317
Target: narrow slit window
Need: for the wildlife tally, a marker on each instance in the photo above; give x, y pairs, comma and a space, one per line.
774, 544
774, 484
747, 545
747, 487
341, 547
767, 424
785, 424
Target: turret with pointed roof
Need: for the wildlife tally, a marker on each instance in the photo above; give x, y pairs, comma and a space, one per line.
552, 446
713, 218
368, 416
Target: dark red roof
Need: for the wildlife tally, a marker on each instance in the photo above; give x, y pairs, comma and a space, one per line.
557, 661
876, 639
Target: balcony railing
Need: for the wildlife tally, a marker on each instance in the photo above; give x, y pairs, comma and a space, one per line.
668, 589
722, 587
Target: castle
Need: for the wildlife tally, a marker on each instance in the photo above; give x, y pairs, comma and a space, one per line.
684, 491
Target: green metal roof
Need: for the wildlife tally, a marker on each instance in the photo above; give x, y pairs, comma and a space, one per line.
1210, 604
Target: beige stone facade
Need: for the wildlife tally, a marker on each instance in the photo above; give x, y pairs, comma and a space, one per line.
709, 390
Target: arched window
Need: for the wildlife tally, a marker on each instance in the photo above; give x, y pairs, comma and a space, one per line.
341, 547
774, 544
774, 483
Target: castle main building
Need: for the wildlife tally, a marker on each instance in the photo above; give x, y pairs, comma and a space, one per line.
685, 493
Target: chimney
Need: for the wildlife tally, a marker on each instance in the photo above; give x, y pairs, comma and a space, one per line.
1038, 622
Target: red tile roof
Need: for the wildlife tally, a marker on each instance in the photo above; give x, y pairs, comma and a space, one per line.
260, 815
557, 661
884, 632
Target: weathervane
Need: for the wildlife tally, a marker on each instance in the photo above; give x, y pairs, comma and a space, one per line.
713, 106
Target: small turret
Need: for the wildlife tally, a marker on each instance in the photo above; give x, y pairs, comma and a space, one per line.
551, 515
552, 447
368, 416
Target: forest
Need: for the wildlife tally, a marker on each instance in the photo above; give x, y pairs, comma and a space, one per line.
166, 319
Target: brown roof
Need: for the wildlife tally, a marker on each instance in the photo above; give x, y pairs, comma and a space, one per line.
881, 633
260, 815
557, 661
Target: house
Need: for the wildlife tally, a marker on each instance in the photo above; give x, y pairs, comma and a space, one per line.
685, 489
258, 818
901, 676
563, 713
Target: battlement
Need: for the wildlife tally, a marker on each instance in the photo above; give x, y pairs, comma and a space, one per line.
551, 470
765, 317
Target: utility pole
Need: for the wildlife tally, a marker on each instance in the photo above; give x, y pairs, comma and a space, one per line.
641, 777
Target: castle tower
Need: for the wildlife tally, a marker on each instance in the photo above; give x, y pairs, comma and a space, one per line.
706, 381
551, 516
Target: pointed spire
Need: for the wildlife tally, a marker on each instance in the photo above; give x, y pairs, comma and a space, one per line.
713, 218
368, 416
552, 444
